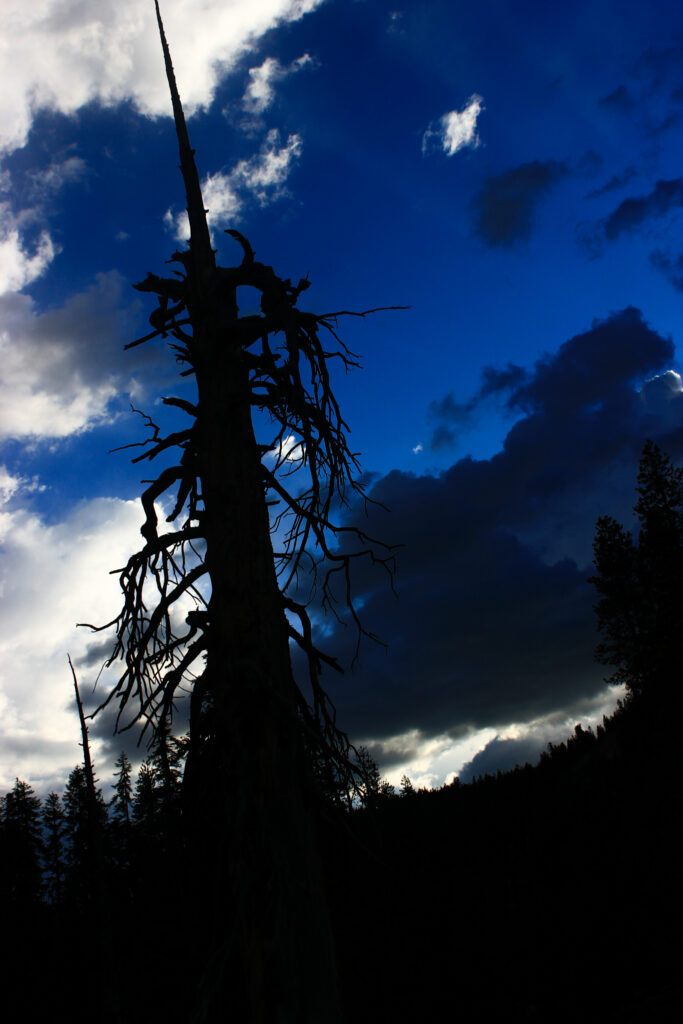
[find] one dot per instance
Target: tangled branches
(165, 626)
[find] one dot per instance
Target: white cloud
(19, 265)
(262, 80)
(51, 577)
(13, 485)
(417, 449)
(62, 368)
(21, 262)
(262, 176)
(455, 130)
(61, 54)
(431, 761)
(8, 485)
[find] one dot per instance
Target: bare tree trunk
(268, 877)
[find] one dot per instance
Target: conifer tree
(54, 855)
(77, 815)
(640, 605)
(145, 798)
(123, 788)
(22, 841)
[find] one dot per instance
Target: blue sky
(512, 173)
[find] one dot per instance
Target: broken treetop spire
(200, 239)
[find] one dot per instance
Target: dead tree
(210, 605)
(109, 1009)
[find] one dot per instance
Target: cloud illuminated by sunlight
(61, 54)
(456, 129)
(260, 92)
(262, 177)
(51, 577)
(18, 266)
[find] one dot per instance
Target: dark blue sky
(510, 172)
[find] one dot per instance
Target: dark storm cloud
(632, 213)
(505, 206)
(671, 266)
(493, 622)
(96, 654)
(589, 370)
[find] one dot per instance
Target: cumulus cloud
(260, 92)
(61, 54)
(262, 177)
(504, 207)
(456, 129)
(52, 576)
(62, 369)
(494, 621)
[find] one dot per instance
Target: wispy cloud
(45, 183)
(456, 129)
(617, 181)
(260, 92)
(632, 213)
(261, 177)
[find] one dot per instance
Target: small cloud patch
(505, 206)
(455, 130)
(260, 91)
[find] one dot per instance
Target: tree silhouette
(640, 607)
(22, 842)
(123, 788)
(54, 860)
(211, 606)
